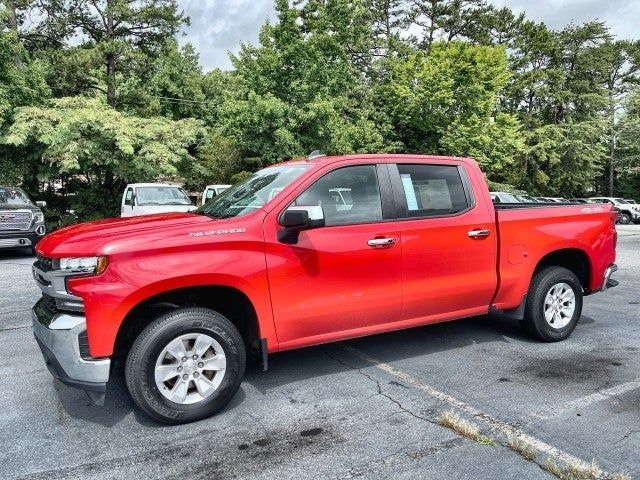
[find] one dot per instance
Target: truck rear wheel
(186, 365)
(554, 304)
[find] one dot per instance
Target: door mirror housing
(296, 219)
(41, 204)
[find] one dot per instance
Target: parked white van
(148, 198)
(211, 191)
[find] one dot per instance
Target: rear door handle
(381, 242)
(478, 233)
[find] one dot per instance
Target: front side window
(348, 195)
(432, 190)
(252, 193)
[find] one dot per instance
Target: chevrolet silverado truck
(280, 262)
(21, 221)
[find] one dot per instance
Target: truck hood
(103, 237)
(152, 209)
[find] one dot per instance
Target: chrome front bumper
(608, 281)
(58, 339)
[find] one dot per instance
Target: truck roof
(152, 184)
(369, 156)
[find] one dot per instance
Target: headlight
(38, 217)
(94, 265)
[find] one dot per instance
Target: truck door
(342, 279)
(448, 242)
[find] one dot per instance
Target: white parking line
(587, 400)
(494, 423)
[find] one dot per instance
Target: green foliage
(446, 102)
(549, 112)
(86, 137)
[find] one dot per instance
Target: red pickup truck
(301, 253)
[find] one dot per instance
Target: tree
(616, 70)
(88, 138)
(446, 101)
(448, 20)
(303, 88)
(115, 29)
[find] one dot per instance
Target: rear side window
(432, 190)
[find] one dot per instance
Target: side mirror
(41, 203)
(296, 219)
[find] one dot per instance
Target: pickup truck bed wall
(527, 233)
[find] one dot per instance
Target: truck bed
(527, 232)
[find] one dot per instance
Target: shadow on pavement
(314, 362)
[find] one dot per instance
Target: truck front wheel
(186, 365)
(554, 304)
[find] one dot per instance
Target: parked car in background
(628, 212)
(254, 272)
(503, 197)
(578, 200)
(211, 191)
(526, 199)
(149, 198)
(21, 220)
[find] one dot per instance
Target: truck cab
(212, 191)
(150, 198)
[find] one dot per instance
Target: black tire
(624, 218)
(534, 320)
(140, 364)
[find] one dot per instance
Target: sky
(219, 26)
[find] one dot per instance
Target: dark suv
(21, 221)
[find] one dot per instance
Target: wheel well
(572, 259)
(228, 301)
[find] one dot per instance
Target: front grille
(15, 220)
(43, 263)
(49, 304)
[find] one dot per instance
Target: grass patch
(452, 420)
(523, 447)
(578, 471)
(620, 476)
(552, 467)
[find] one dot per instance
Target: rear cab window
(433, 190)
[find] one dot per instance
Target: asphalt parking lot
(366, 408)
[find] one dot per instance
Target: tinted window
(128, 200)
(347, 195)
(432, 189)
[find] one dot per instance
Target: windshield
(252, 193)
(161, 195)
(13, 196)
(621, 200)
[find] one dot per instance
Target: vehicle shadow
(315, 362)
(22, 255)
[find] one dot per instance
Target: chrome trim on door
(478, 233)
(381, 242)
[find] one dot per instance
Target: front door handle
(381, 242)
(478, 233)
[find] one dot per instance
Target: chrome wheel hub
(559, 305)
(190, 368)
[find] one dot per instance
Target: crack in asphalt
(460, 439)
